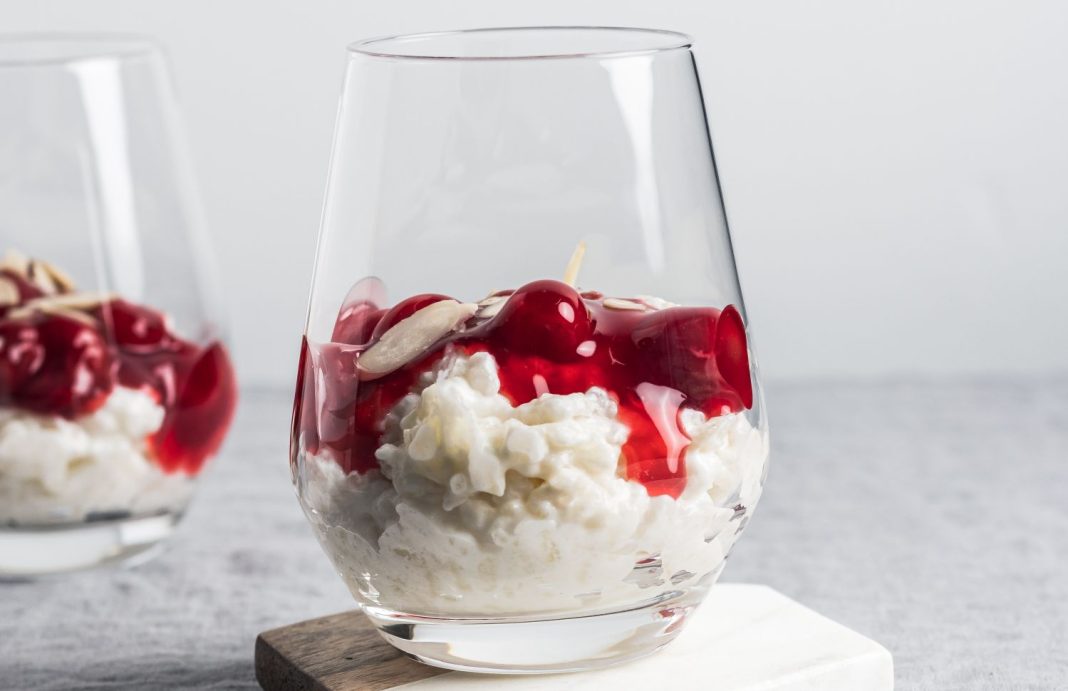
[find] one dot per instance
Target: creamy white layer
(484, 508)
(54, 470)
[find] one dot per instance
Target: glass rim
(57, 49)
(660, 40)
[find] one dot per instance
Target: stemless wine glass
(535, 452)
(115, 387)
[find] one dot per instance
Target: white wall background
(896, 173)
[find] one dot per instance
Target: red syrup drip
(546, 338)
(57, 365)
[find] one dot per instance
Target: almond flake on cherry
(411, 337)
(491, 306)
(9, 293)
(620, 304)
(60, 279)
(15, 261)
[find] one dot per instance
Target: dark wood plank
(341, 652)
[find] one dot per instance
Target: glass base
(41, 550)
(542, 645)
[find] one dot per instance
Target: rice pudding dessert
(105, 412)
(542, 451)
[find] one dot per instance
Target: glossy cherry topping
(195, 384)
(547, 338)
(199, 408)
(53, 365)
(67, 362)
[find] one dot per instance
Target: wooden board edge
(274, 672)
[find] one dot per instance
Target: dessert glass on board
(115, 385)
(528, 425)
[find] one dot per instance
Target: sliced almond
(574, 264)
(54, 304)
(48, 277)
(74, 301)
(41, 278)
(491, 306)
(70, 314)
(621, 304)
(655, 302)
(9, 292)
(491, 311)
(410, 337)
(16, 261)
(60, 278)
(55, 310)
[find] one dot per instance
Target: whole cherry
(545, 318)
(21, 355)
(69, 370)
(134, 327)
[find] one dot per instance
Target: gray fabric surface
(930, 517)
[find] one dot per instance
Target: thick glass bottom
(541, 645)
(42, 550)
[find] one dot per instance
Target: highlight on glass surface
(528, 425)
(115, 385)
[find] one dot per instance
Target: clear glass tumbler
(115, 385)
(528, 425)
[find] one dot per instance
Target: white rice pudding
(54, 470)
(485, 508)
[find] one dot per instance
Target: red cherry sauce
(546, 339)
(53, 364)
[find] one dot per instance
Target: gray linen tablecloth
(930, 517)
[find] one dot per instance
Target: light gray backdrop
(895, 172)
